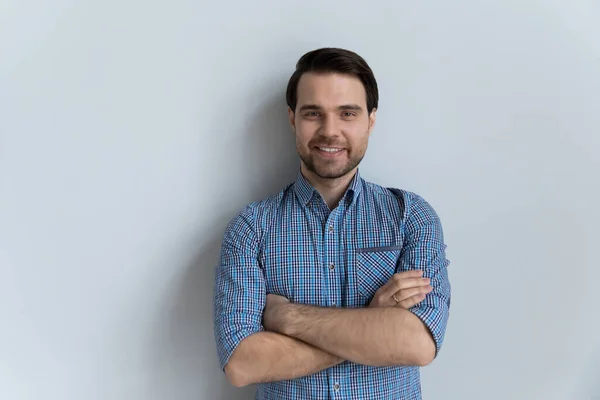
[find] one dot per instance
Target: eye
(348, 114)
(311, 114)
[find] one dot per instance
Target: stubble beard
(325, 169)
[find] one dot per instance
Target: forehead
(330, 90)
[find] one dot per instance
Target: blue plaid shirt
(292, 245)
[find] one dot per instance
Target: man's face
(331, 123)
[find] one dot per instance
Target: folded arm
(246, 352)
(268, 357)
(383, 336)
(317, 338)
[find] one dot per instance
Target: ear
(292, 117)
(372, 119)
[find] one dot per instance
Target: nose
(330, 126)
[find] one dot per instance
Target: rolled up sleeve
(239, 287)
(425, 249)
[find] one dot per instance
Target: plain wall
(132, 131)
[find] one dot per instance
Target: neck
(331, 190)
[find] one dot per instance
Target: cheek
(304, 132)
(358, 135)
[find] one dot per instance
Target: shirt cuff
(435, 319)
(229, 339)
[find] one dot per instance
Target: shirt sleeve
(239, 287)
(424, 249)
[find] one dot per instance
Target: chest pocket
(374, 267)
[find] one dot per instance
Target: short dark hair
(331, 59)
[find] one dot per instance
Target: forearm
(382, 336)
(268, 357)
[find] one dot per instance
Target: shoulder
(256, 217)
(411, 206)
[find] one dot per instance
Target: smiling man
(335, 288)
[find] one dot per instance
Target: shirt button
(336, 387)
(331, 267)
(330, 228)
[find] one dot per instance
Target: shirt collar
(305, 191)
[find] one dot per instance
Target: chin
(328, 170)
(330, 173)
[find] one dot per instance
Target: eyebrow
(355, 107)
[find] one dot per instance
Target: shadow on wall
(186, 340)
(271, 160)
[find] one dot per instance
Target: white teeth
(329, 149)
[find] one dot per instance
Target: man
(335, 288)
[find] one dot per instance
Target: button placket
(331, 241)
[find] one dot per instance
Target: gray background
(132, 131)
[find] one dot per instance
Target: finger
(412, 301)
(391, 283)
(411, 283)
(401, 284)
(407, 293)
(413, 273)
(391, 286)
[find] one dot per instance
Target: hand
(409, 287)
(274, 312)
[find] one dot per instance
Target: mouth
(329, 151)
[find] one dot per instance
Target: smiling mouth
(330, 150)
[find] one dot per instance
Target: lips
(329, 149)
(329, 152)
